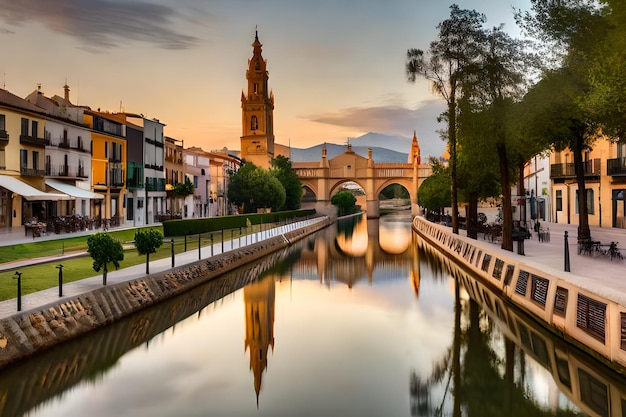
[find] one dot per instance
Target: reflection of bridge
(373, 251)
(321, 179)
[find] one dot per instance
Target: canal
(359, 319)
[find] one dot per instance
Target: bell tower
(257, 112)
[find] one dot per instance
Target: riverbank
(586, 305)
(48, 319)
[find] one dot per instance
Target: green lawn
(43, 276)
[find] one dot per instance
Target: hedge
(182, 227)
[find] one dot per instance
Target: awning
(72, 190)
(28, 192)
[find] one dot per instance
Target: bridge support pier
(372, 209)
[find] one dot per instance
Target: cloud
(4, 31)
(102, 24)
(393, 118)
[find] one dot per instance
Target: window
(257, 66)
(254, 123)
(106, 149)
(24, 131)
(35, 128)
(3, 122)
(195, 181)
(590, 202)
(23, 158)
(256, 88)
(559, 200)
(35, 160)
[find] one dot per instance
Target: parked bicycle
(614, 251)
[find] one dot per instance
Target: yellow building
(605, 183)
(257, 112)
(22, 168)
(108, 159)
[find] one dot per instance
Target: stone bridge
(322, 179)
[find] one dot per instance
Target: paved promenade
(72, 289)
(601, 274)
(608, 276)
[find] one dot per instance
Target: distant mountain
(395, 143)
(379, 154)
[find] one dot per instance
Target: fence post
(211, 243)
(185, 242)
(222, 240)
(566, 255)
(199, 247)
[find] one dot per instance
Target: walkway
(41, 299)
(609, 274)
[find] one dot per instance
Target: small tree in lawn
(147, 242)
(103, 250)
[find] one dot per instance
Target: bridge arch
(323, 177)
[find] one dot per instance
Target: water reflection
(503, 362)
(332, 326)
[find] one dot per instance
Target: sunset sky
(336, 66)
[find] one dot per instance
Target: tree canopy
(281, 169)
(104, 249)
(253, 188)
(147, 242)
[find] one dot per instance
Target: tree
(183, 189)
(495, 82)
(147, 242)
(575, 29)
(104, 250)
(607, 95)
(254, 188)
(345, 202)
(434, 192)
(281, 169)
(445, 66)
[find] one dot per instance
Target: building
(22, 169)
(67, 155)
(108, 163)
(197, 169)
(146, 197)
(221, 165)
(173, 175)
(257, 112)
(605, 183)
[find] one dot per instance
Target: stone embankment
(25, 334)
(575, 307)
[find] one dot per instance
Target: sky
(336, 67)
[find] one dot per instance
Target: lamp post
(60, 268)
(19, 290)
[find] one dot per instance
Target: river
(351, 321)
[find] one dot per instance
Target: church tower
(257, 112)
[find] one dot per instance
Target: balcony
(616, 167)
(65, 171)
(33, 141)
(64, 144)
(591, 168)
(4, 137)
(32, 172)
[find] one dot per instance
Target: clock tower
(257, 112)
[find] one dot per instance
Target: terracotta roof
(18, 102)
